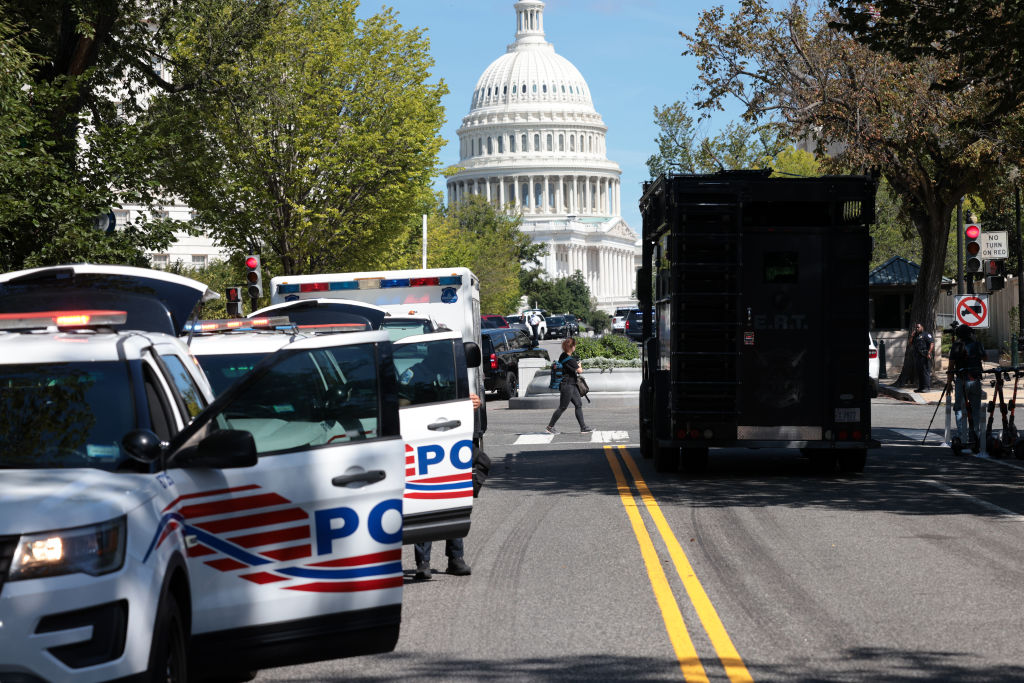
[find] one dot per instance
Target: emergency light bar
(61, 319)
(370, 283)
(335, 327)
(233, 324)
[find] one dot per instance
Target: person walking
(965, 369)
(535, 326)
(923, 345)
(569, 392)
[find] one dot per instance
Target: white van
(449, 296)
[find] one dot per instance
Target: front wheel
(168, 655)
(511, 386)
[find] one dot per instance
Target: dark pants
(570, 393)
(453, 548)
(924, 372)
(535, 329)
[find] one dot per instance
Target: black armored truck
(759, 287)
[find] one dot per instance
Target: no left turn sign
(972, 310)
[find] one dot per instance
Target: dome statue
(533, 142)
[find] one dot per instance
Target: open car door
(297, 557)
(437, 427)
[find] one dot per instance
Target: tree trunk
(933, 229)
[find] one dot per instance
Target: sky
(629, 52)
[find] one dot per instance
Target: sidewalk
(909, 393)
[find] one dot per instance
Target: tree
(319, 144)
(682, 149)
(982, 36)
(797, 69)
(475, 234)
(80, 151)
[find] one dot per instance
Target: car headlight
(95, 549)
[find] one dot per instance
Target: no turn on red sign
(972, 310)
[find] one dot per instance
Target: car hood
(155, 301)
(46, 500)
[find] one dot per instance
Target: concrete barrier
(530, 370)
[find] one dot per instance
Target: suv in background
(492, 321)
(557, 327)
(501, 352)
(634, 324)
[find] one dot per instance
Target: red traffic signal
(252, 262)
(972, 247)
(254, 276)
(234, 294)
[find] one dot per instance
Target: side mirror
(223, 449)
(142, 445)
(473, 355)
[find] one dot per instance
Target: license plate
(847, 414)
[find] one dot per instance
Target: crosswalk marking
(609, 436)
(528, 439)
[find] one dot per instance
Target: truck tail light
(494, 361)
(872, 353)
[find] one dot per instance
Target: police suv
(433, 391)
(148, 531)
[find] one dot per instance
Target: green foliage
(74, 141)
(218, 276)
(319, 145)
(562, 295)
(608, 346)
(599, 321)
(477, 235)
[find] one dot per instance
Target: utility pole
(960, 247)
(1020, 267)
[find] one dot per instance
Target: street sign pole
(1020, 267)
(960, 247)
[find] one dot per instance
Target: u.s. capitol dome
(533, 142)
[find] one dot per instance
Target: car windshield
(55, 415)
(224, 369)
(400, 329)
(556, 320)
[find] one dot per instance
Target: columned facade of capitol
(533, 143)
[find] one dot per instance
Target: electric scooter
(994, 446)
(1012, 441)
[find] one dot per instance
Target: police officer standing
(923, 345)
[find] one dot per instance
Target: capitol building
(533, 142)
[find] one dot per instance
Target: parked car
(619, 324)
(872, 367)
(502, 350)
(518, 322)
(572, 325)
(493, 321)
(557, 327)
(635, 323)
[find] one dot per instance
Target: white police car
(436, 412)
(146, 531)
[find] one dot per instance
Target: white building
(533, 141)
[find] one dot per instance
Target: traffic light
(995, 275)
(233, 299)
(972, 248)
(253, 276)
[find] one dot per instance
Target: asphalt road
(758, 570)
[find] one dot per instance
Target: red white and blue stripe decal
(444, 487)
(264, 538)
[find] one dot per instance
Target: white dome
(530, 74)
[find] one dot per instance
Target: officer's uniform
(922, 342)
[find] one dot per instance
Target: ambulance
(449, 296)
(148, 529)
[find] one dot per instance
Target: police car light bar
(233, 324)
(61, 319)
(370, 283)
(335, 327)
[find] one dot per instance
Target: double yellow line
(689, 660)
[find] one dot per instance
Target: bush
(588, 347)
(619, 346)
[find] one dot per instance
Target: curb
(900, 394)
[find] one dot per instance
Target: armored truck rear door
(782, 336)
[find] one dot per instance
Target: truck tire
(695, 460)
(168, 654)
(851, 462)
(666, 459)
(510, 387)
(646, 450)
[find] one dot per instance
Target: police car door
(437, 428)
(305, 545)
